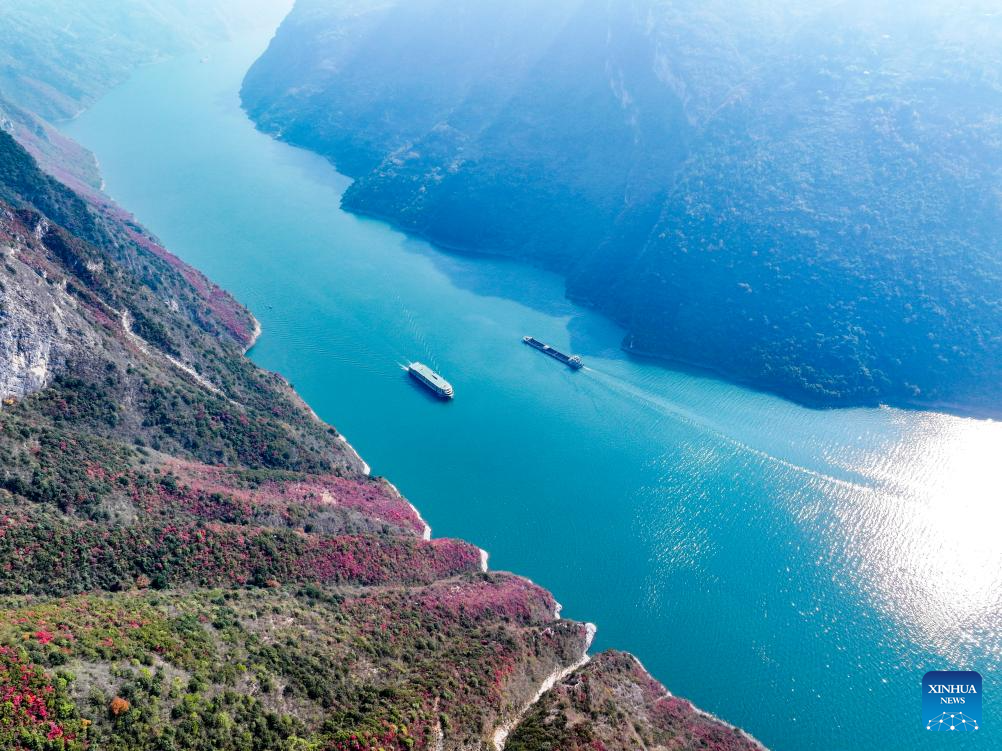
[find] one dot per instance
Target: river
(794, 571)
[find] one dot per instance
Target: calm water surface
(793, 571)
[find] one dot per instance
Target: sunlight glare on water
(925, 538)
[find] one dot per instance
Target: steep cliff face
(797, 197)
(41, 324)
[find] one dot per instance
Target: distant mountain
(803, 197)
(57, 56)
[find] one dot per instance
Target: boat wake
(700, 422)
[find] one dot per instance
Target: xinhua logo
(951, 700)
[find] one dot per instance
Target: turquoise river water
(794, 571)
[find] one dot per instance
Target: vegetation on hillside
(613, 705)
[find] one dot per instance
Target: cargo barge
(571, 361)
(430, 380)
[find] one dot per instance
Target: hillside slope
(576, 716)
(800, 198)
(190, 558)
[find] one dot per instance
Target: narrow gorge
(192, 559)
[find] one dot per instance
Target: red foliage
(44, 637)
(508, 597)
(86, 555)
(26, 699)
(374, 560)
(215, 493)
(699, 730)
(389, 740)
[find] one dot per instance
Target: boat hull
(431, 380)
(571, 361)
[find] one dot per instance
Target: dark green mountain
(803, 198)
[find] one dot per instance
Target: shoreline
(366, 469)
(426, 534)
(668, 362)
(255, 334)
(501, 733)
(703, 370)
(696, 709)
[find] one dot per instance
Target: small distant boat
(430, 380)
(571, 361)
